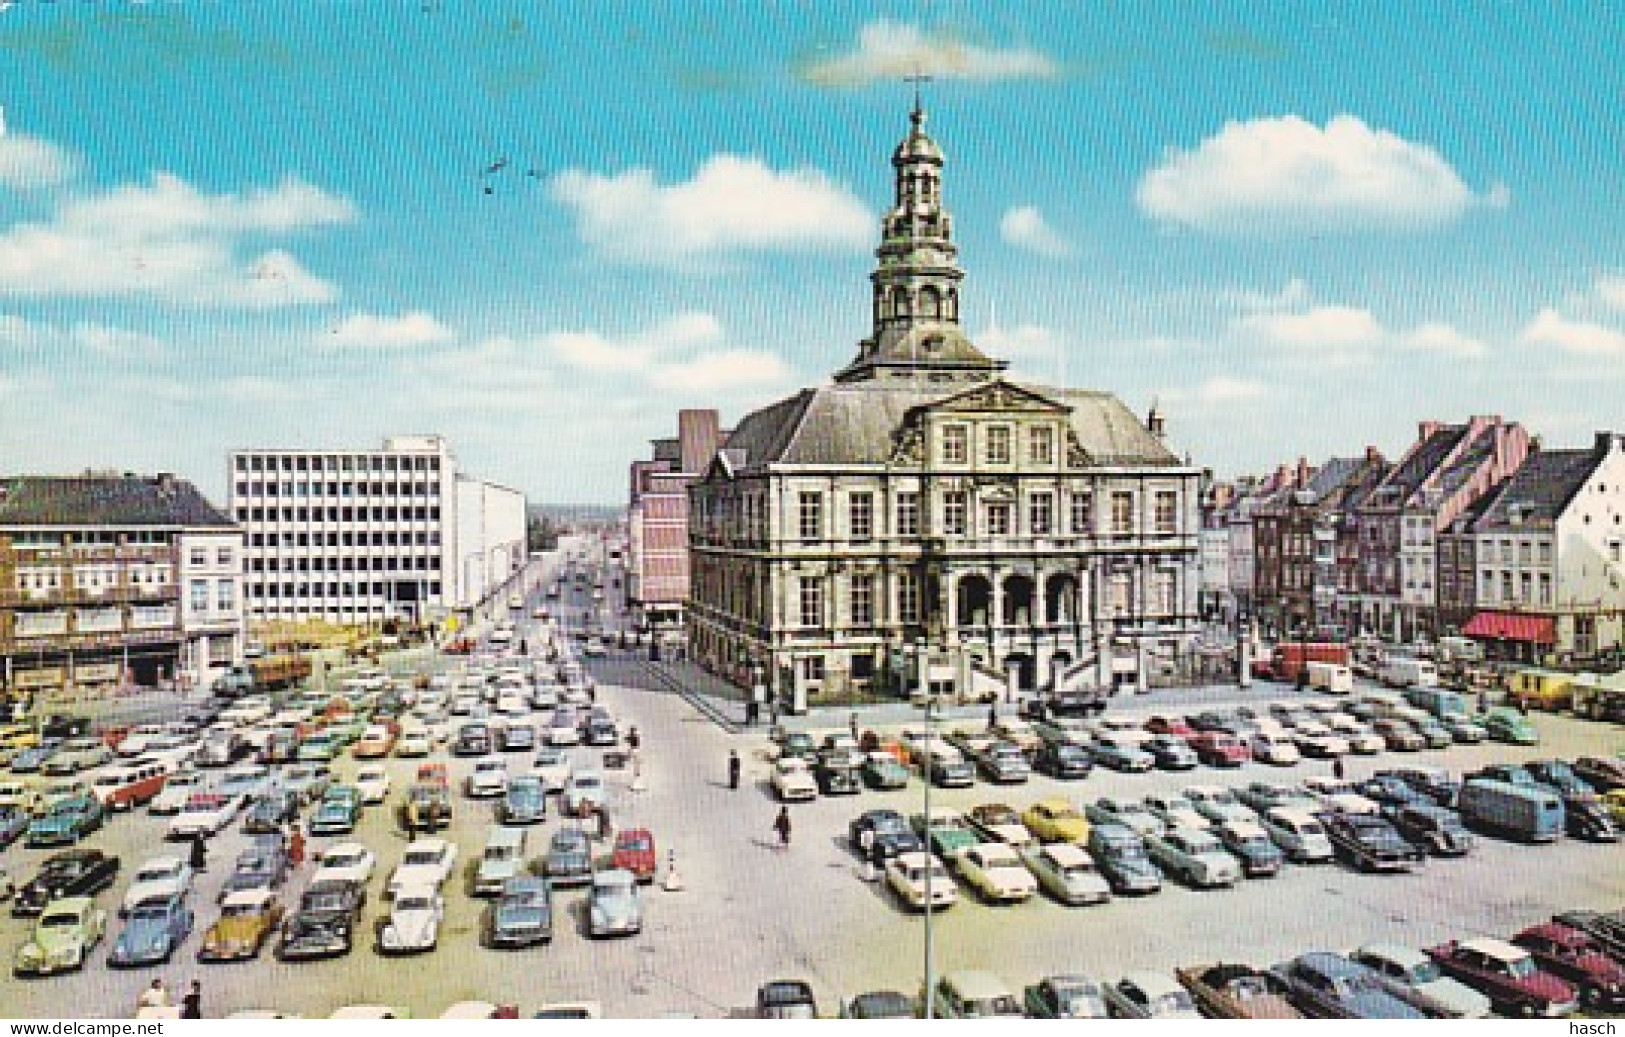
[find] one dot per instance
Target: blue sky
(1301, 228)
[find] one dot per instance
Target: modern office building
(109, 580)
(354, 536)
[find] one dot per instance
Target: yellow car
(1614, 803)
(247, 919)
(1056, 821)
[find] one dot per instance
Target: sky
(540, 229)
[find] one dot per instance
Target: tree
(542, 533)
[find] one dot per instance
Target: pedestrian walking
(603, 822)
(296, 847)
(192, 1003)
(992, 715)
(409, 821)
(200, 853)
(781, 825)
(1523, 705)
(633, 740)
(155, 996)
(852, 723)
(733, 769)
(753, 712)
(1338, 770)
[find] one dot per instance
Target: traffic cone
(673, 882)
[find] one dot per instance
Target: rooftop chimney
(698, 436)
(1303, 472)
(1155, 423)
(1426, 429)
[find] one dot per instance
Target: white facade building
(211, 586)
(361, 536)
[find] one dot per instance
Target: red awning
(1509, 626)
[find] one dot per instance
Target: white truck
(1406, 671)
(1332, 678)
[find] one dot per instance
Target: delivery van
(1333, 678)
(1515, 811)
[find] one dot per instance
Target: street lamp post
(925, 773)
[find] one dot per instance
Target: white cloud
(28, 162)
(1576, 338)
(1293, 295)
(684, 352)
(168, 241)
(45, 340)
(1282, 175)
(119, 343)
(1443, 339)
(722, 371)
(369, 330)
(1218, 391)
(1024, 341)
(1611, 290)
(890, 50)
(1322, 325)
(732, 204)
(1024, 227)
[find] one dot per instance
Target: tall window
(812, 601)
(1122, 511)
(200, 595)
(1083, 512)
(862, 516)
(1041, 445)
(811, 516)
(225, 595)
(1166, 505)
(998, 444)
(955, 444)
(908, 513)
(863, 600)
(998, 518)
(1041, 514)
(908, 597)
(955, 504)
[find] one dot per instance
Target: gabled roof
(105, 500)
(1536, 494)
(1406, 477)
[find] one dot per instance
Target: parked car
(157, 877)
(79, 872)
(793, 781)
(1121, 753)
(1252, 846)
(997, 822)
(883, 771)
(583, 793)
(1194, 856)
(487, 780)
(972, 994)
(522, 915)
(525, 802)
(872, 827)
(1066, 872)
(1603, 773)
(634, 852)
(839, 773)
(63, 937)
(335, 814)
(1119, 851)
(156, 926)
(247, 920)
(569, 858)
(344, 862)
(1413, 975)
(1433, 782)
(1369, 843)
(1056, 820)
(552, 766)
(1223, 991)
(786, 999)
(995, 872)
(1217, 804)
(414, 921)
(1329, 986)
(1573, 956)
(1063, 760)
(1433, 828)
(1605, 927)
(1172, 753)
(1175, 811)
(1299, 834)
(1123, 811)
(613, 905)
(1508, 975)
(271, 812)
(1149, 995)
(426, 862)
(1065, 997)
(905, 875)
(66, 822)
(324, 925)
(945, 833)
(373, 782)
(1505, 724)
(880, 1004)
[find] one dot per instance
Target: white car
(488, 779)
(995, 871)
(205, 813)
(1274, 746)
(553, 767)
(178, 788)
(1217, 803)
(906, 872)
(345, 862)
(793, 781)
(414, 921)
(1067, 873)
(563, 729)
(1175, 811)
(414, 742)
(373, 781)
(584, 790)
(1338, 795)
(158, 877)
(1362, 740)
(1316, 739)
(427, 862)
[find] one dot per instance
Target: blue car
(1330, 986)
(155, 928)
(32, 758)
(67, 822)
(335, 816)
(13, 823)
(1121, 755)
(523, 915)
(525, 802)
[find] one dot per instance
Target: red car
(1220, 749)
(1573, 956)
(1507, 975)
(1163, 724)
(635, 851)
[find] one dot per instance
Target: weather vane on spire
(917, 78)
